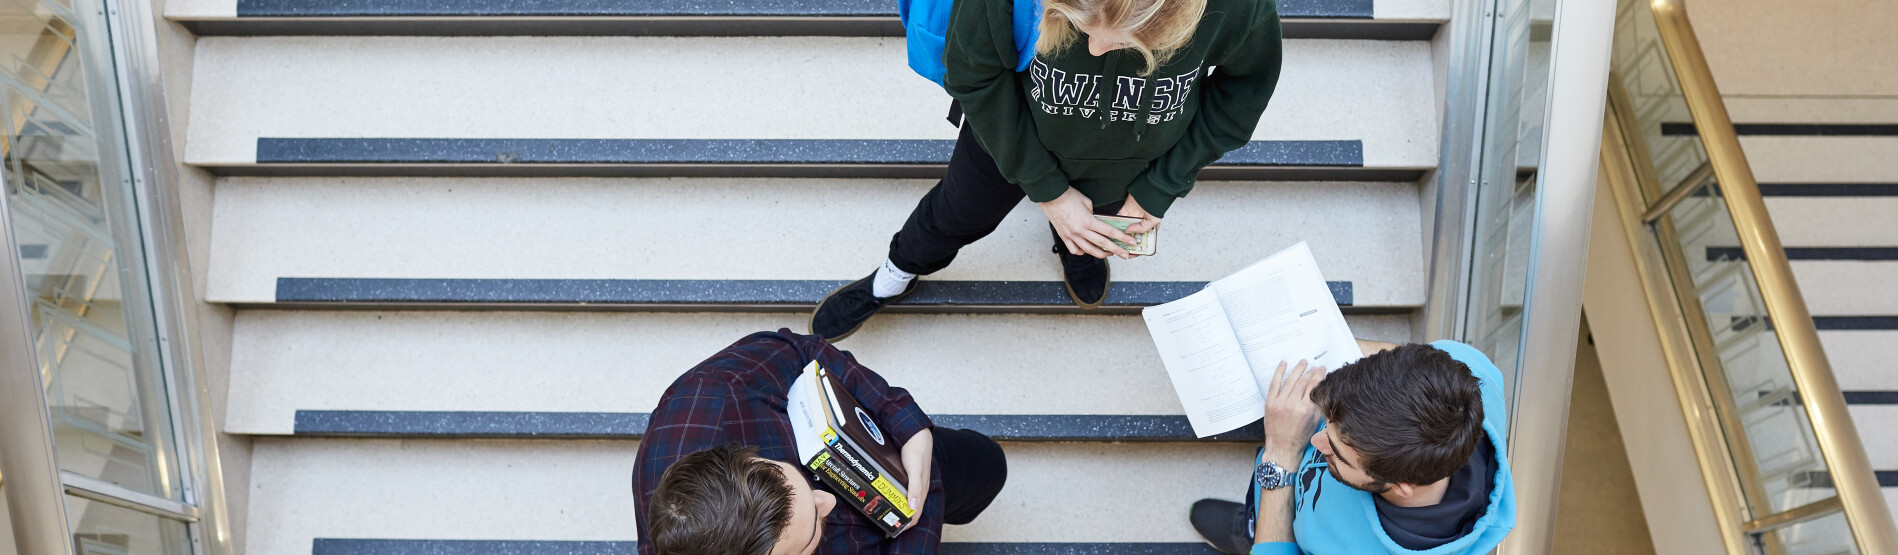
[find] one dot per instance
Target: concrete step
(1818, 159)
(535, 362)
(252, 90)
(1835, 221)
(1849, 288)
(1813, 152)
(304, 489)
(1819, 221)
(1874, 423)
(1862, 359)
(1821, 158)
(266, 229)
(1386, 19)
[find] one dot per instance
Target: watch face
(1269, 476)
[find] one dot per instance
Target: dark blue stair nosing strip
(736, 293)
(1812, 190)
(592, 425)
(1870, 254)
(1823, 479)
(1793, 129)
(1871, 397)
(1855, 322)
(1829, 189)
(1312, 27)
(599, 425)
(1856, 397)
(1318, 9)
(1825, 323)
(353, 546)
(1343, 153)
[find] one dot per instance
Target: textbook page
(1205, 362)
(1281, 311)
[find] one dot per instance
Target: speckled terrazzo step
(576, 490)
(344, 546)
(580, 105)
(1386, 19)
(817, 232)
(616, 364)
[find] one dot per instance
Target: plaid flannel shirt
(738, 396)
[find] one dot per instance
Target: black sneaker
(844, 310)
(1085, 277)
(1222, 524)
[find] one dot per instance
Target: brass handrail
(1852, 477)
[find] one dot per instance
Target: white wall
(1667, 477)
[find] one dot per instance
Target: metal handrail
(1853, 480)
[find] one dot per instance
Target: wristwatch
(1270, 475)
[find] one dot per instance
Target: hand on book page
(1290, 416)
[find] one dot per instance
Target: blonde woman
(1123, 104)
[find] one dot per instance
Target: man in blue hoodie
(1410, 457)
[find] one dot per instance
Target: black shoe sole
(1105, 290)
(811, 324)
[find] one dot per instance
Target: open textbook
(1222, 344)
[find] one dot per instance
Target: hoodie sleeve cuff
(1151, 199)
(1045, 187)
(1275, 548)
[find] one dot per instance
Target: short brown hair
(1412, 412)
(720, 501)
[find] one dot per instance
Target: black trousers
(967, 205)
(973, 471)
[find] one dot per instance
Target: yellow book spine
(882, 485)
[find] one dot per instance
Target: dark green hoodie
(1097, 124)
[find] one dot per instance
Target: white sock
(890, 281)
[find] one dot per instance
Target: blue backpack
(926, 22)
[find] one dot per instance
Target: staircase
(469, 246)
(1831, 192)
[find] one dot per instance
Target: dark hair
(719, 501)
(1412, 412)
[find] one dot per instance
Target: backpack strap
(1027, 31)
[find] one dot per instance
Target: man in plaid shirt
(717, 472)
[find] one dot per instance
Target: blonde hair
(1159, 27)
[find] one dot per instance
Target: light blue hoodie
(1344, 520)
